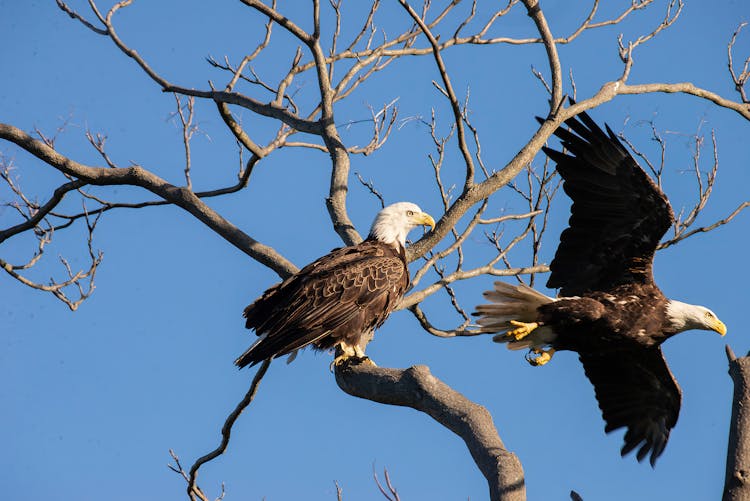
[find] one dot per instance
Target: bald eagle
(609, 310)
(338, 300)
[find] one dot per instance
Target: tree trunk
(737, 480)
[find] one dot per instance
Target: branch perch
(417, 388)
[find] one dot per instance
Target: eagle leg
(540, 356)
(522, 329)
(350, 354)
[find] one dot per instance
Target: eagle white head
(685, 316)
(394, 222)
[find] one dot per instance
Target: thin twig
(226, 430)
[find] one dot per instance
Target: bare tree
(340, 65)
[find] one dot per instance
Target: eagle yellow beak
(719, 327)
(424, 219)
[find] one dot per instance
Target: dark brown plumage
(617, 218)
(609, 309)
(339, 299)
(341, 295)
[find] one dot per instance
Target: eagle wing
(618, 214)
(636, 390)
(344, 294)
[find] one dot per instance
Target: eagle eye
(709, 314)
(410, 213)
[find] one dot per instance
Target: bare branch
(272, 110)
(240, 134)
(368, 25)
(626, 53)
(382, 125)
(391, 494)
(339, 492)
(188, 129)
(98, 141)
(406, 40)
(539, 76)
(336, 201)
(371, 188)
(435, 331)
(706, 229)
(177, 468)
(74, 15)
(226, 430)
(684, 223)
(262, 45)
(137, 176)
(483, 190)
(75, 279)
(41, 212)
(536, 14)
(510, 217)
(741, 79)
(417, 388)
(489, 269)
(455, 246)
(440, 270)
(336, 5)
(655, 171)
(449, 93)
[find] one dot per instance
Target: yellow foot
(538, 356)
(522, 329)
(339, 360)
(345, 359)
(363, 360)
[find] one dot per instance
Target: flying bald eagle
(609, 310)
(338, 300)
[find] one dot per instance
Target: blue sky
(93, 400)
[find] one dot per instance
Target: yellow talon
(344, 359)
(543, 356)
(522, 329)
(339, 360)
(367, 360)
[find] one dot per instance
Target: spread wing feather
(637, 391)
(344, 294)
(618, 214)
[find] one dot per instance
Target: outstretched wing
(618, 214)
(341, 295)
(637, 391)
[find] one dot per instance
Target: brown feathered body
(617, 335)
(609, 310)
(340, 298)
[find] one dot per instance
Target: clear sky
(92, 401)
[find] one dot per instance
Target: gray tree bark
(737, 479)
(417, 388)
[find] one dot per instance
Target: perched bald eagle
(338, 300)
(609, 310)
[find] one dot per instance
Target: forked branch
(739, 79)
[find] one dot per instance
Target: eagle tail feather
(249, 357)
(278, 346)
(513, 302)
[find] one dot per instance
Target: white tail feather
(514, 302)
